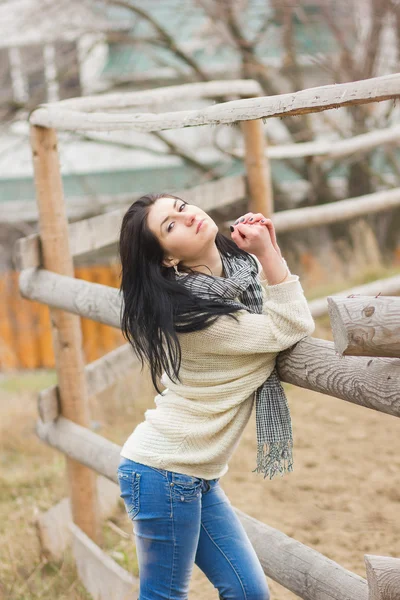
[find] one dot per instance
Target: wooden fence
(314, 364)
(25, 330)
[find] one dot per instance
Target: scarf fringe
(274, 458)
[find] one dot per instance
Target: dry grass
(342, 499)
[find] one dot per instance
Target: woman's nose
(189, 218)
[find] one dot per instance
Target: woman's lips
(199, 225)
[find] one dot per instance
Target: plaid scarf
(274, 427)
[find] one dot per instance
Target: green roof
(158, 179)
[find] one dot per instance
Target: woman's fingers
(270, 226)
(249, 218)
(243, 218)
(252, 238)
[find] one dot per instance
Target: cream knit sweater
(197, 424)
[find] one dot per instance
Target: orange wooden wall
(25, 331)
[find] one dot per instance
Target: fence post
(383, 576)
(66, 328)
(257, 167)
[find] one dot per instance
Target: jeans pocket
(129, 483)
(185, 487)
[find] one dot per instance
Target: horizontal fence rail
(102, 230)
(301, 569)
(95, 233)
(25, 328)
(366, 326)
(315, 364)
(77, 207)
(387, 287)
(302, 102)
(333, 212)
(375, 388)
(163, 95)
(99, 374)
(327, 150)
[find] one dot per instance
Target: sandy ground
(342, 499)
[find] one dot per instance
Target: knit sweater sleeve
(285, 320)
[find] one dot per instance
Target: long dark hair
(155, 305)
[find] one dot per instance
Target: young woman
(209, 315)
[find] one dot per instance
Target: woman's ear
(169, 262)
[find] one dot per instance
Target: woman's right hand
(256, 234)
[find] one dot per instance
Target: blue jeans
(180, 520)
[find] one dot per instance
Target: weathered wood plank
(334, 212)
(96, 232)
(94, 301)
(302, 102)
(66, 328)
(386, 287)
(349, 378)
(92, 234)
(257, 168)
(164, 95)
(49, 407)
(383, 575)
(53, 525)
(100, 374)
(77, 207)
(366, 326)
(82, 445)
(315, 365)
(300, 569)
(327, 150)
(306, 572)
(103, 578)
(27, 252)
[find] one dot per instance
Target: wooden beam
(386, 287)
(99, 231)
(107, 369)
(333, 212)
(383, 575)
(99, 374)
(257, 167)
(66, 329)
(299, 568)
(315, 365)
(302, 102)
(330, 374)
(323, 150)
(77, 207)
(94, 300)
(53, 525)
(366, 325)
(81, 445)
(305, 572)
(164, 95)
(92, 234)
(102, 577)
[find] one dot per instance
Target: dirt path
(343, 498)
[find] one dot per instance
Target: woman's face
(174, 223)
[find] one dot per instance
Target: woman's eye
(182, 206)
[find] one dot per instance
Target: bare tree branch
(163, 34)
(187, 157)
